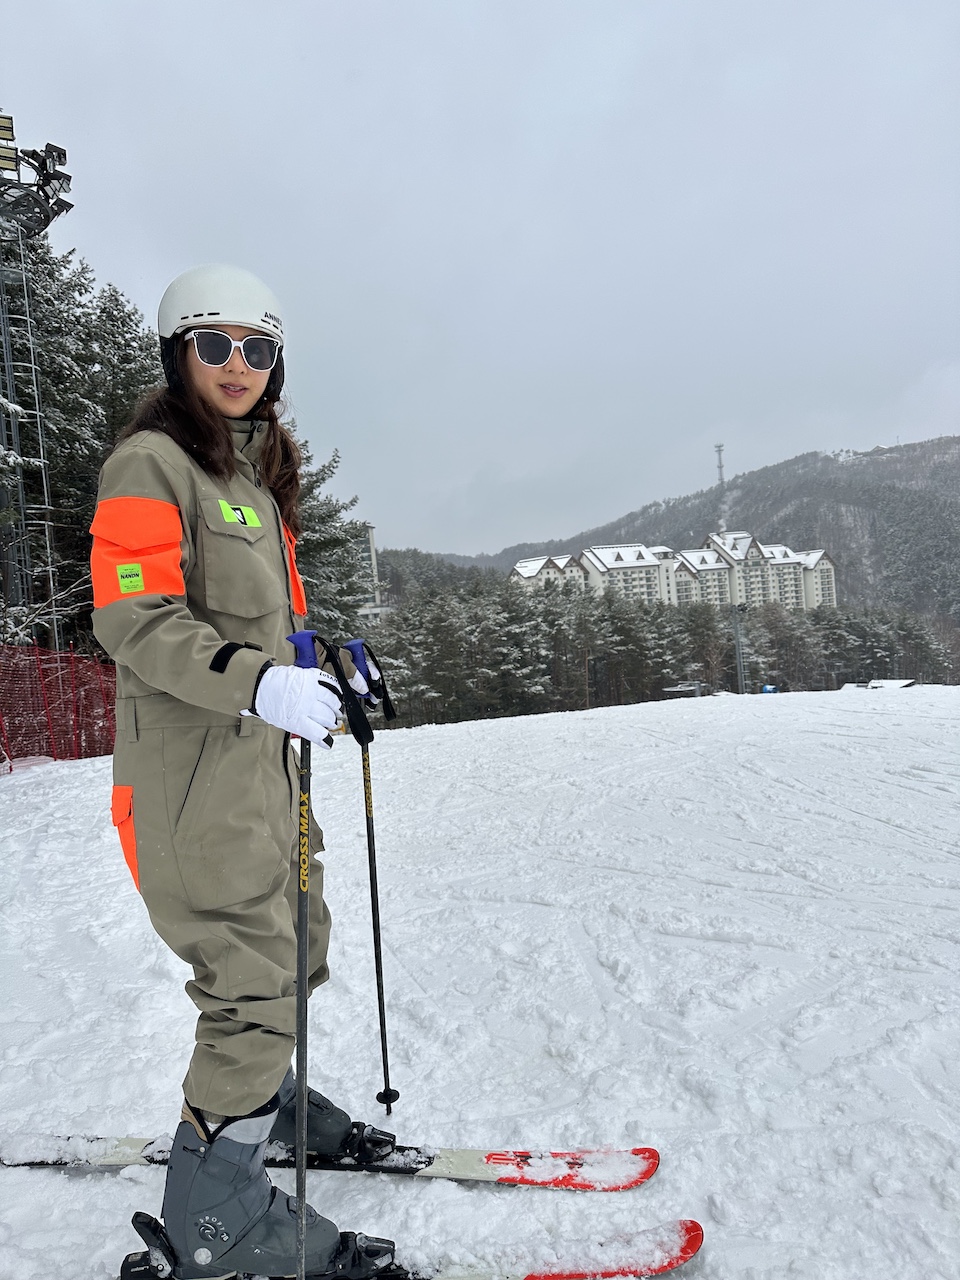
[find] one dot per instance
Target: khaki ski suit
(195, 590)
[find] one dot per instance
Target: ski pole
(358, 651)
(360, 729)
(303, 642)
(388, 1096)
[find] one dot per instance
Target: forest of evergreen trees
(487, 646)
(461, 642)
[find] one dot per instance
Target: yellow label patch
(130, 578)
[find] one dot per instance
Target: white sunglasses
(215, 348)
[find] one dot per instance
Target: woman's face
(232, 389)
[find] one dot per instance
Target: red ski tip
(595, 1170)
(673, 1252)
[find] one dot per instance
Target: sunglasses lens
(213, 347)
(260, 353)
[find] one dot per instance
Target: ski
(653, 1252)
(597, 1169)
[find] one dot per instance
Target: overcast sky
(536, 256)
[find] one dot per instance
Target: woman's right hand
(301, 700)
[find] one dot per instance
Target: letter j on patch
(239, 515)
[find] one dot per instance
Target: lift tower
(32, 187)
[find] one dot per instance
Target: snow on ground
(729, 928)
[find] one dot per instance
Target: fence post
(46, 702)
(75, 710)
(5, 743)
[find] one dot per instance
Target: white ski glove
(301, 700)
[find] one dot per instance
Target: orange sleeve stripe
(121, 813)
(136, 550)
(299, 600)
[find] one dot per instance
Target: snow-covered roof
(736, 543)
(737, 546)
(530, 568)
(780, 554)
(718, 552)
(615, 557)
(810, 559)
(702, 559)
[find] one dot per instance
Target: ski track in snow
(728, 928)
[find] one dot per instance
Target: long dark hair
(201, 433)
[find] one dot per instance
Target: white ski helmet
(218, 294)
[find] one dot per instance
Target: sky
(536, 257)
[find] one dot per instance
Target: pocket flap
(121, 804)
(137, 522)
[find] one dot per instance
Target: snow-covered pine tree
(95, 359)
(120, 364)
(330, 552)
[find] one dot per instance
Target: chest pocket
(243, 570)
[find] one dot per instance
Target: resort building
(729, 569)
(557, 569)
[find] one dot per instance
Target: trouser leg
(319, 918)
(246, 1032)
(216, 849)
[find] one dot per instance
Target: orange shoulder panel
(299, 596)
(136, 549)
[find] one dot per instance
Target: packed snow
(728, 928)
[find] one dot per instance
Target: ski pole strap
(358, 723)
(363, 656)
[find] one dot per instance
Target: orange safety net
(55, 704)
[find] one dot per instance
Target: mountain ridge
(889, 518)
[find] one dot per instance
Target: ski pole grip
(356, 649)
(303, 642)
(362, 656)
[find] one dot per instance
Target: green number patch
(239, 515)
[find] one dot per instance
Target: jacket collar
(248, 438)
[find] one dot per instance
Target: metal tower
(722, 509)
(32, 186)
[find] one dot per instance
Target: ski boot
(222, 1217)
(358, 1258)
(330, 1131)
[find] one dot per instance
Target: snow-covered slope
(729, 928)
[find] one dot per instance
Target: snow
(530, 568)
(614, 557)
(725, 927)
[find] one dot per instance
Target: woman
(195, 591)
